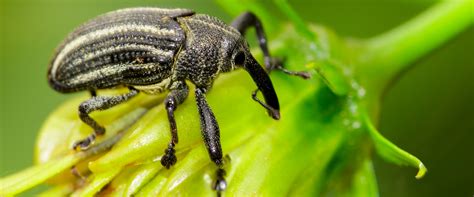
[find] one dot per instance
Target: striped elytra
(145, 48)
(133, 46)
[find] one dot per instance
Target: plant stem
(388, 54)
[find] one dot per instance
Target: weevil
(153, 50)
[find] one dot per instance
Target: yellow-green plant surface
(322, 145)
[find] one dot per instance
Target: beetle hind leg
(98, 103)
(179, 92)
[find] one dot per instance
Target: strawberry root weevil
(151, 50)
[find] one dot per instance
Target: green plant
(322, 145)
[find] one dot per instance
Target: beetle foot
(84, 144)
(169, 158)
(273, 63)
(220, 184)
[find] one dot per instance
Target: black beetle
(153, 50)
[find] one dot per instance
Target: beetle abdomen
(126, 47)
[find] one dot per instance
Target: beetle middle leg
(248, 19)
(211, 134)
(179, 92)
(98, 103)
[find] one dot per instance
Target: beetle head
(242, 57)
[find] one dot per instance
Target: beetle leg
(248, 19)
(98, 103)
(277, 64)
(179, 93)
(211, 135)
(263, 104)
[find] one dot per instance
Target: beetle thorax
(207, 51)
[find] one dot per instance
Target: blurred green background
(429, 112)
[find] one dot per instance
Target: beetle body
(152, 50)
(146, 48)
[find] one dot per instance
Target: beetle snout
(264, 84)
(275, 114)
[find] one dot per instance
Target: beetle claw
(220, 184)
(169, 159)
(84, 144)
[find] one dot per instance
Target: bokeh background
(429, 111)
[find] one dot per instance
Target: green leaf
(364, 182)
(154, 187)
(390, 152)
(141, 177)
(59, 190)
(333, 76)
(17, 183)
(99, 180)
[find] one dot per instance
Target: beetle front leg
(179, 92)
(211, 134)
(248, 19)
(98, 103)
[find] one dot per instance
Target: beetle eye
(239, 58)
